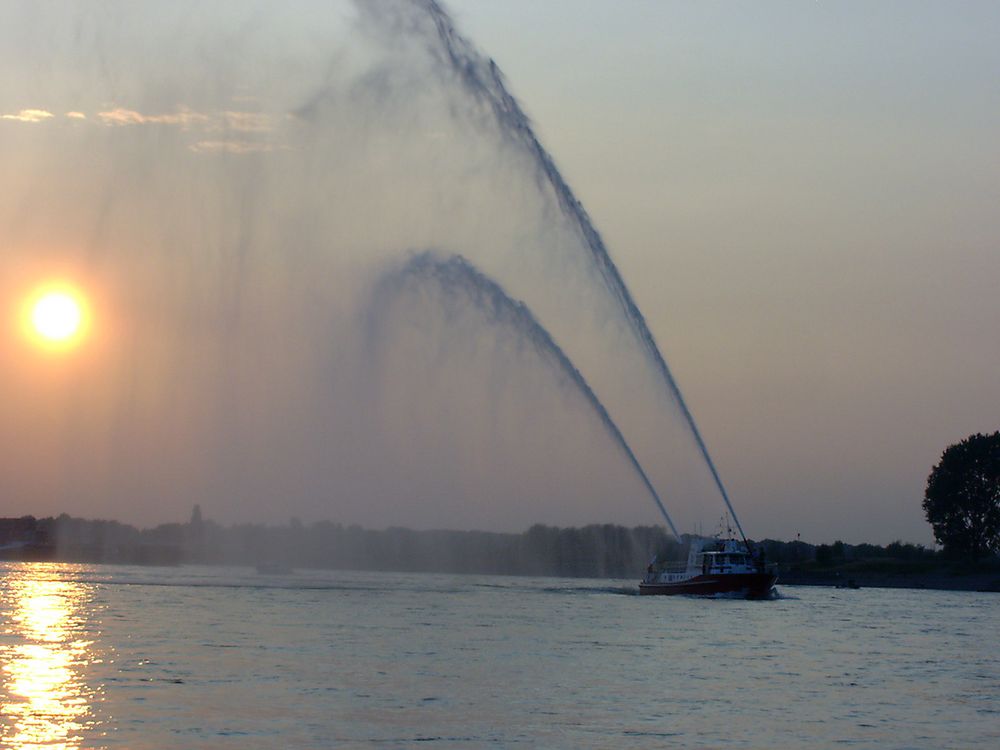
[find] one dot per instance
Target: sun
(56, 316)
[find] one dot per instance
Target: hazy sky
(800, 196)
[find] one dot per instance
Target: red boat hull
(752, 585)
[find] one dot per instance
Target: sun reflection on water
(45, 701)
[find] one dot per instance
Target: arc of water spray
(455, 275)
(483, 79)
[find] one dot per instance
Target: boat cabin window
(726, 560)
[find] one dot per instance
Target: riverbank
(941, 580)
(596, 551)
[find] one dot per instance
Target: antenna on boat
(736, 520)
(729, 529)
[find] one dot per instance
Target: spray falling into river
(456, 276)
(483, 80)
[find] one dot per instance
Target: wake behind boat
(714, 566)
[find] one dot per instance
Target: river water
(198, 657)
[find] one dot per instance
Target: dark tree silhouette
(962, 501)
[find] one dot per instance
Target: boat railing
(672, 568)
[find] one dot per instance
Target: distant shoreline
(974, 582)
(979, 582)
(604, 551)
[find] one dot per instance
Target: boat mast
(739, 528)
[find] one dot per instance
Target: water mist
(482, 79)
(227, 182)
(456, 277)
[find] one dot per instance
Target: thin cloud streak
(29, 115)
(188, 119)
(120, 117)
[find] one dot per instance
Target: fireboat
(714, 566)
